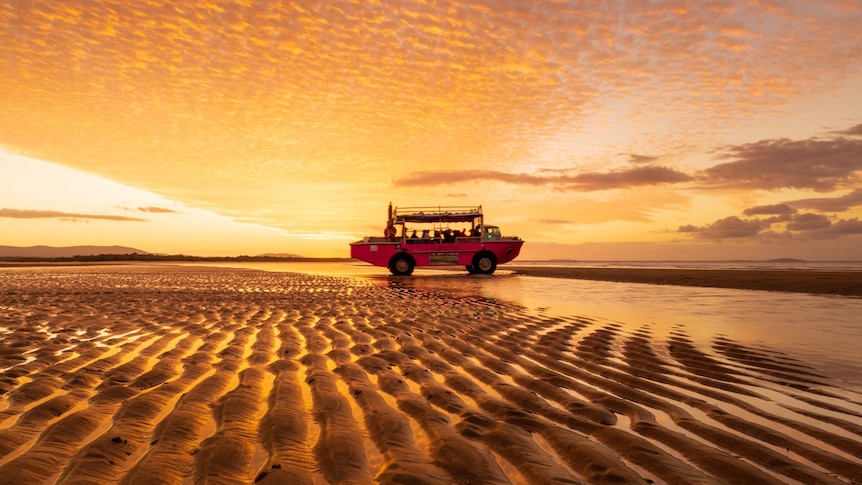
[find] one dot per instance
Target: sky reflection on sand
(822, 330)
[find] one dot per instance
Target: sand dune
(159, 375)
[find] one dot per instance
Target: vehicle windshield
(492, 232)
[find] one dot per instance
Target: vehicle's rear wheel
(469, 268)
(401, 265)
(484, 263)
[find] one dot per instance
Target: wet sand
(185, 375)
(845, 283)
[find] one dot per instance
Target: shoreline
(841, 283)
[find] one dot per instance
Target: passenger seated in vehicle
(414, 236)
(426, 234)
(474, 232)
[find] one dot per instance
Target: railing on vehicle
(380, 239)
(437, 240)
(437, 214)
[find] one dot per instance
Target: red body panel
(379, 251)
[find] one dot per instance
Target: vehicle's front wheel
(484, 263)
(401, 265)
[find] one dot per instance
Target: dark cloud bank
(74, 216)
(818, 164)
(587, 181)
(822, 165)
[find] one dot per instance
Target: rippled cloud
(223, 92)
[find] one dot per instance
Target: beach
(183, 374)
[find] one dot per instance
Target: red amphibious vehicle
(437, 236)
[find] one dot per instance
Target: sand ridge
(845, 283)
(160, 376)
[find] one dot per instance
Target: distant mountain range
(63, 252)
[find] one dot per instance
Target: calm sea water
(779, 264)
(825, 331)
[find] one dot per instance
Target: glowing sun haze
(594, 130)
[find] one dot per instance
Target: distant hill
(278, 255)
(63, 252)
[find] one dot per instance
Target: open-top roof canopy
(437, 214)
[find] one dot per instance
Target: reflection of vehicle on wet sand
(478, 247)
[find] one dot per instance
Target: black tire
(401, 265)
(469, 268)
(484, 263)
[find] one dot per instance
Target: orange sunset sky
(593, 130)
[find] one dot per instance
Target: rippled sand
(158, 375)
